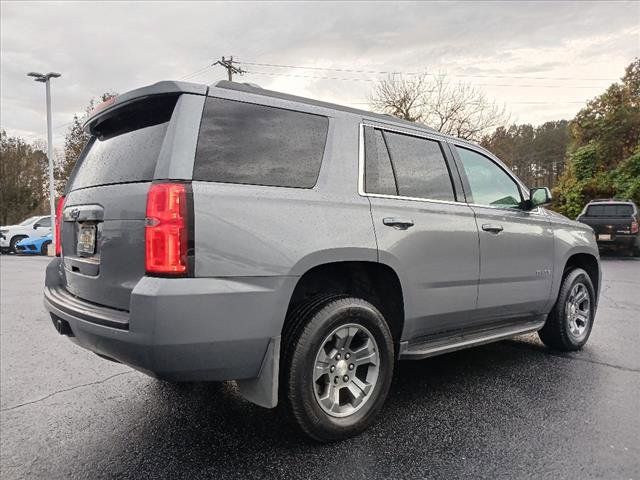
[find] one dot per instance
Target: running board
(431, 348)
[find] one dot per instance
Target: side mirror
(35, 226)
(539, 196)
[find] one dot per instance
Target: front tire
(14, 241)
(338, 363)
(44, 248)
(569, 324)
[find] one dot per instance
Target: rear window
(610, 210)
(260, 145)
(124, 147)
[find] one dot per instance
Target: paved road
(507, 410)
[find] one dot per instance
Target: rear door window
(259, 145)
(125, 146)
(419, 166)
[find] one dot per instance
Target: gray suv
(302, 248)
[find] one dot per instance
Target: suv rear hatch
(103, 227)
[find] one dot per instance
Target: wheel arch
(375, 282)
(589, 263)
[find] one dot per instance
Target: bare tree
(457, 109)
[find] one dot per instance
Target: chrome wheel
(578, 310)
(346, 370)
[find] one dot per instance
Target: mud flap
(263, 390)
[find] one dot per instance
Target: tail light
(634, 227)
(167, 229)
(58, 226)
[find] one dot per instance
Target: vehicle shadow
(438, 411)
(617, 255)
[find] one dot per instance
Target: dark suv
(301, 248)
(615, 223)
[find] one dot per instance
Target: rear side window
(611, 210)
(125, 145)
(378, 173)
(419, 166)
(255, 144)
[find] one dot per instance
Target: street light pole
(46, 79)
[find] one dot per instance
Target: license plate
(604, 236)
(86, 240)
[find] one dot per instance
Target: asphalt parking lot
(508, 410)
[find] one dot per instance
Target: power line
(350, 70)
(274, 74)
(355, 79)
(196, 72)
(508, 102)
(382, 72)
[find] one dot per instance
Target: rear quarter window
(259, 145)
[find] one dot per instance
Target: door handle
(488, 227)
(399, 223)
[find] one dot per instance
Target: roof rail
(598, 200)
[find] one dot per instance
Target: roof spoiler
(160, 88)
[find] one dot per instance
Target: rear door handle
(399, 223)
(488, 227)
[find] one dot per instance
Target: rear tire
(337, 366)
(15, 240)
(44, 248)
(569, 324)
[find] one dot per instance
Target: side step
(432, 347)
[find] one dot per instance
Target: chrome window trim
(361, 161)
(428, 136)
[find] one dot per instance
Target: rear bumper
(618, 240)
(180, 329)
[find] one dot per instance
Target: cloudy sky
(541, 59)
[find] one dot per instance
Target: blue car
(34, 245)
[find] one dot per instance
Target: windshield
(28, 221)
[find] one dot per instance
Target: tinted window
(45, 222)
(378, 172)
(490, 184)
(419, 166)
(260, 145)
(125, 146)
(610, 210)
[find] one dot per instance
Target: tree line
(594, 155)
(24, 174)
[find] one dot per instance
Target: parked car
(301, 248)
(34, 245)
(31, 227)
(615, 223)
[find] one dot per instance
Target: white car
(37, 226)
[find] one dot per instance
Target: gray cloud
(119, 46)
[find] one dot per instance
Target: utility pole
(46, 79)
(231, 69)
